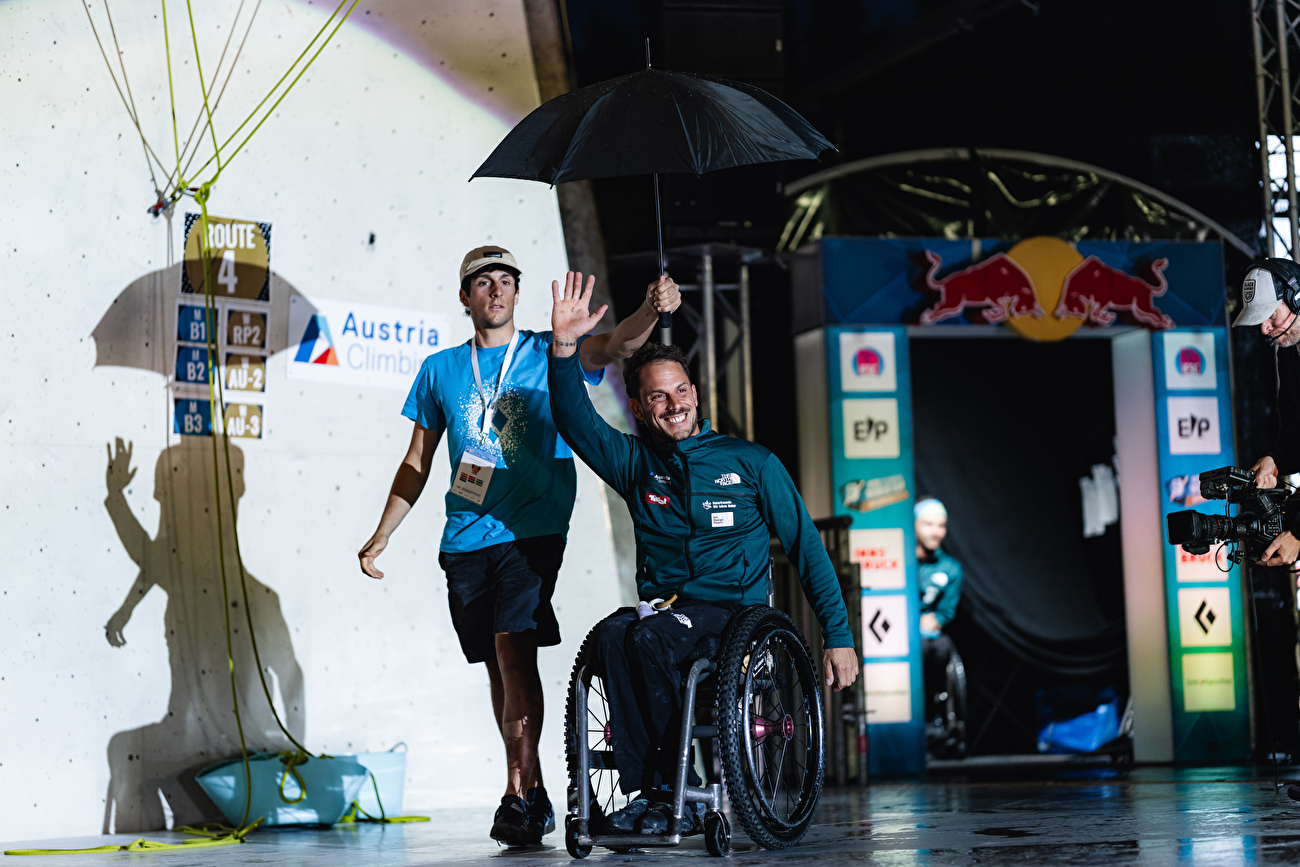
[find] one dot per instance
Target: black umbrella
(649, 122)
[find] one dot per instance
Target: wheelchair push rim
(774, 740)
(778, 723)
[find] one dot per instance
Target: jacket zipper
(690, 523)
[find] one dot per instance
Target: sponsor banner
(360, 344)
(866, 495)
(1208, 682)
(1043, 288)
(888, 686)
(1204, 617)
(1213, 566)
(879, 555)
(1189, 361)
(1203, 605)
(241, 258)
(884, 625)
(867, 361)
(871, 428)
(1194, 426)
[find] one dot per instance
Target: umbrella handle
(665, 320)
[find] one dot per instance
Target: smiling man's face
(667, 403)
(491, 298)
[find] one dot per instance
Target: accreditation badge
(473, 476)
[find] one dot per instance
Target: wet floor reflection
(1214, 816)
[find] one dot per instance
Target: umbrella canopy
(650, 122)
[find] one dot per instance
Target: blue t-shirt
(533, 486)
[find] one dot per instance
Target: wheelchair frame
(710, 794)
(717, 829)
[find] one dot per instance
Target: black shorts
(503, 588)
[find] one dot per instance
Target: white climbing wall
(110, 617)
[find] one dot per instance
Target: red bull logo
(868, 362)
(1190, 361)
(1094, 290)
(1047, 274)
(997, 284)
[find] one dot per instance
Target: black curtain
(1003, 431)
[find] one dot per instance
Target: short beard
(1289, 338)
(665, 437)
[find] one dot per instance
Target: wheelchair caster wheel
(717, 834)
(571, 839)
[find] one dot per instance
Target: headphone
(1286, 276)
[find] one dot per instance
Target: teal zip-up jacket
(939, 578)
(704, 509)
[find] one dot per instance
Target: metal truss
(1274, 26)
(716, 316)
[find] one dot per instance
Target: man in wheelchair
(705, 507)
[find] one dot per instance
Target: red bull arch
(1153, 313)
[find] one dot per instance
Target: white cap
(929, 507)
(1259, 298)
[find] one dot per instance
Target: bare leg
(498, 690)
(521, 709)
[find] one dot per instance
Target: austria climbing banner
(361, 344)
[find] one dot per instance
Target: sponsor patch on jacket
(660, 478)
(727, 479)
(718, 504)
(655, 499)
(724, 519)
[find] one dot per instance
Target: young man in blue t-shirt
(510, 496)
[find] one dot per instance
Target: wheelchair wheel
(771, 726)
(592, 734)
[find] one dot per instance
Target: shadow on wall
(152, 767)
(134, 331)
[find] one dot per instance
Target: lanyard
(490, 405)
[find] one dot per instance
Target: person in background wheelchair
(939, 580)
(705, 507)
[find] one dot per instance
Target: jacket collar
(687, 445)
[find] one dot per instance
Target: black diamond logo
(1209, 617)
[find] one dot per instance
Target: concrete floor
(1146, 816)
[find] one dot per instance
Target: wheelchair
(757, 706)
(946, 709)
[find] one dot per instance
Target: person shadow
(152, 784)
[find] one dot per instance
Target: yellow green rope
(203, 89)
(216, 834)
(171, 92)
(287, 73)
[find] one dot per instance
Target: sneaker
(511, 825)
(624, 821)
(541, 815)
(657, 820)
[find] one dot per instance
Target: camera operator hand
(1283, 551)
(1265, 470)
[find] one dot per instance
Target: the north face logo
(727, 479)
(656, 499)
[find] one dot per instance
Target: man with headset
(1270, 298)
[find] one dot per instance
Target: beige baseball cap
(483, 256)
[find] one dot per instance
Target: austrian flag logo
(656, 499)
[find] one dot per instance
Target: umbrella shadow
(152, 767)
(136, 329)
